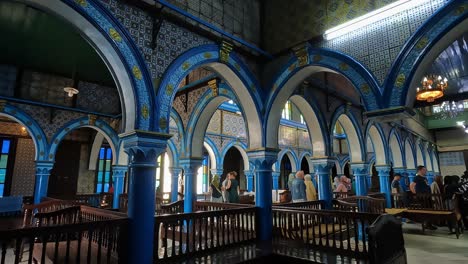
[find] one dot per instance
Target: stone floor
(434, 246)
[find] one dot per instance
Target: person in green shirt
(233, 187)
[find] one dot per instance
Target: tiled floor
(435, 246)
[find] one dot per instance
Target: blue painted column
(43, 169)
(430, 177)
(404, 175)
(249, 175)
(275, 176)
(262, 160)
(411, 174)
(190, 166)
(322, 168)
(361, 175)
(384, 179)
(118, 177)
(175, 172)
(143, 149)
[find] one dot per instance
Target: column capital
(413, 171)
(44, 165)
(248, 172)
(119, 170)
(263, 158)
(191, 163)
(400, 170)
(219, 172)
(361, 168)
(275, 173)
(144, 147)
(383, 169)
(322, 164)
(175, 171)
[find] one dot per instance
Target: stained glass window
(5, 149)
(104, 170)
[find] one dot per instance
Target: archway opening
(233, 161)
(285, 170)
(204, 176)
(76, 170)
(163, 178)
(305, 165)
(17, 158)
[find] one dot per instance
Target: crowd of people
(444, 187)
(302, 189)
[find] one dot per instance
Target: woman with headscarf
(311, 193)
(215, 191)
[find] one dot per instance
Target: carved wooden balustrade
(179, 235)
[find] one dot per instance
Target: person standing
(420, 186)
(298, 190)
(233, 187)
(311, 193)
(216, 196)
(224, 190)
(399, 199)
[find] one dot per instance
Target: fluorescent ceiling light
(372, 17)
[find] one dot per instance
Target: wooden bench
(432, 208)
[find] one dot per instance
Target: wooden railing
(66, 243)
(176, 207)
(317, 205)
(424, 201)
(362, 204)
(211, 206)
(179, 235)
(342, 232)
(339, 195)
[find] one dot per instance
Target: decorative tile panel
(97, 98)
(233, 125)
(24, 172)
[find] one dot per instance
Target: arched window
(202, 177)
(104, 171)
(286, 114)
(4, 168)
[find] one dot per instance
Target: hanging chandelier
(448, 110)
(432, 88)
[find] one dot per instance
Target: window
(5, 148)
(302, 120)
(104, 172)
(166, 182)
(202, 177)
(286, 114)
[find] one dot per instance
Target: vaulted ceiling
(36, 40)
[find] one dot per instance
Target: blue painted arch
(295, 165)
(409, 157)
(353, 132)
(293, 74)
(424, 45)
(241, 147)
(379, 142)
(120, 53)
(100, 125)
(201, 116)
(395, 148)
(215, 156)
(180, 129)
(234, 72)
(34, 130)
(174, 154)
